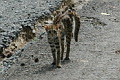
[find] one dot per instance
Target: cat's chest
(55, 36)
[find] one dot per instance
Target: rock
(22, 64)
(22, 50)
(36, 60)
(8, 63)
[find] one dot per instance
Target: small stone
(32, 55)
(22, 50)
(22, 64)
(36, 60)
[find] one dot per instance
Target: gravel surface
(93, 57)
(14, 13)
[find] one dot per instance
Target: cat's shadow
(50, 67)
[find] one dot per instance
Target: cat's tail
(77, 27)
(76, 22)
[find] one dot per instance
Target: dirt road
(92, 58)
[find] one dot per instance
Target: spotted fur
(62, 27)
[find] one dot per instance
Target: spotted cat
(61, 27)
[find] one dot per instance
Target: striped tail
(77, 27)
(72, 12)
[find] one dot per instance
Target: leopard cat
(62, 27)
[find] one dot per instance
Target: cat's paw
(59, 66)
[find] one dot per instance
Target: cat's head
(51, 27)
(51, 30)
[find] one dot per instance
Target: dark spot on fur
(57, 43)
(54, 31)
(49, 31)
